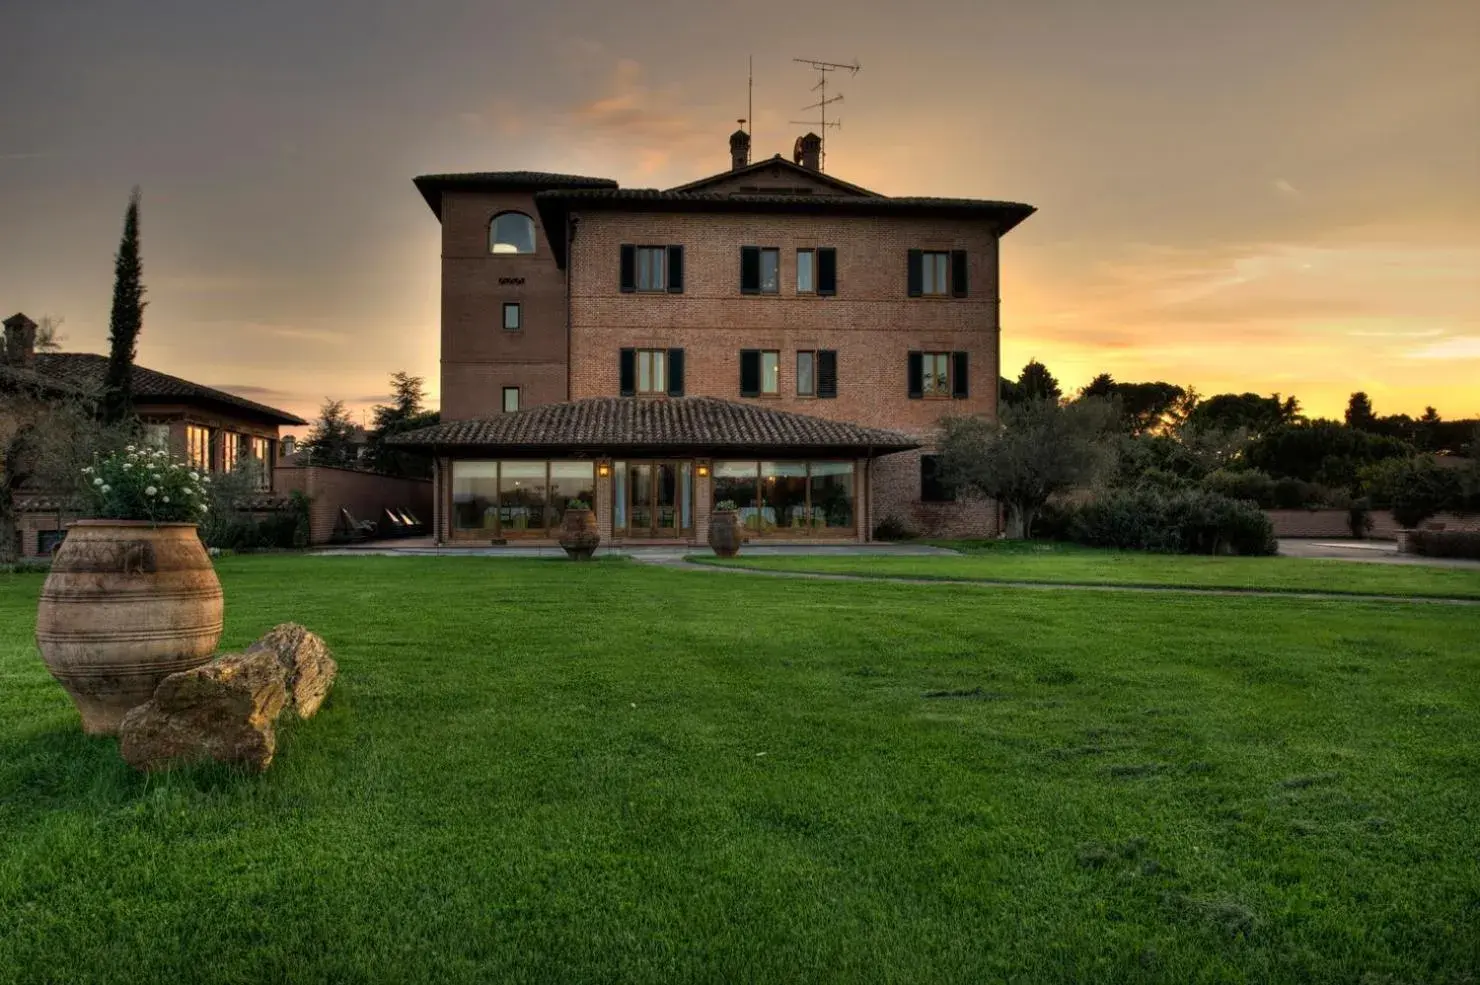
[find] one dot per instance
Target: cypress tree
(125, 320)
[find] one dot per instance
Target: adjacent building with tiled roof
(771, 335)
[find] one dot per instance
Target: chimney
(289, 446)
(739, 150)
(20, 341)
(808, 152)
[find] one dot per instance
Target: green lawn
(1038, 561)
(535, 771)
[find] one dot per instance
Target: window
(513, 316)
(935, 272)
(511, 232)
(770, 271)
(652, 376)
(157, 436)
(788, 499)
(261, 451)
(770, 372)
(198, 447)
(652, 268)
(511, 399)
(938, 375)
(493, 499)
(806, 374)
(806, 272)
(932, 489)
(230, 451)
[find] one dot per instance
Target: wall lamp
(604, 469)
(703, 470)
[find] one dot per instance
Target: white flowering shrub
(146, 484)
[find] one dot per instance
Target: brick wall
(1333, 523)
(364, 493)
(479, 357)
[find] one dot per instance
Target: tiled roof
(86, 370)
(432, 186)
(19, 378)
(675, 422)
(778, 161)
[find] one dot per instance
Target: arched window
(511, 232)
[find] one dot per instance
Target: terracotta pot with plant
(725, 537)
(132, 596)
(578, 533)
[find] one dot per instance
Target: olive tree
(1037, 448)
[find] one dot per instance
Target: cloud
(204, 283)
(257, 392)
(1285, 188)
(297, 334)
(644, 122)
(21, 156)
(1459, 347)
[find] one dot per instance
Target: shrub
(1192, 521)
(1420, 488)
(145, 484)
(1054, 520)
(1445, 543)
(578, 504)
(893, 528)
(725, 504)
(1250, 484)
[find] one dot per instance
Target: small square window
(652, 268)
(806, 374)
(511, 399)
(513, 316)
(935, 274)
(806, 272)
(770, 271)
(770, 372)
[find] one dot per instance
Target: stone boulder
(223, 711)
(306, 663)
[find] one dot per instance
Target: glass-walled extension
(790, 499)
(517, 498)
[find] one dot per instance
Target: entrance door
(656, 503)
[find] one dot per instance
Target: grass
(1069, 564)
(534, 771)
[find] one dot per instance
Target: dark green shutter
(675, 270)
(750, 270)
(627, 372)
(629, 268)
(675, 372)
(750, 372)
(915, 370)
(960, 388)
(958, 273)
(827, 373)
(827, 271)
(915, 275)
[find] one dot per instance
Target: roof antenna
(822, 123)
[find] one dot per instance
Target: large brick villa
(770, 335)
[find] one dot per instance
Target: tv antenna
(822, 122)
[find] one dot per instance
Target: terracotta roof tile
(86, 370)
(676, 422)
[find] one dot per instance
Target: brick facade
(364, 494)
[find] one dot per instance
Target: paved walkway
(655, 555)
(1369, 551)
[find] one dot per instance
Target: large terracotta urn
(578, 534)
(127, 603)
(725, 537)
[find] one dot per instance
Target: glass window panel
(511, 399)
(783, 497)
(568, 481)
(157, 436)
(805, 283)
(686, 492)
(640, 484)
(737, 482)
(652, 263)
(666, 504)
(230, 446)
(806, 376)
(660, 371)
(770, 271)
(475, 496)
(770, 372)
(644, 373)
(198, 447)
(521, 496)
(832, 496)
(511, 232)
(511, 316)
(619, 495)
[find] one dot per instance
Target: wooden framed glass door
(658, 497)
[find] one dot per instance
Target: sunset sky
(1268, 195)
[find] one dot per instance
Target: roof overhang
(556, 206)
(432, 186)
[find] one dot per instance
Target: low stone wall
(1334, 523)
(365, 494)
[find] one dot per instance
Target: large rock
(223, 711)
(306, 662)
